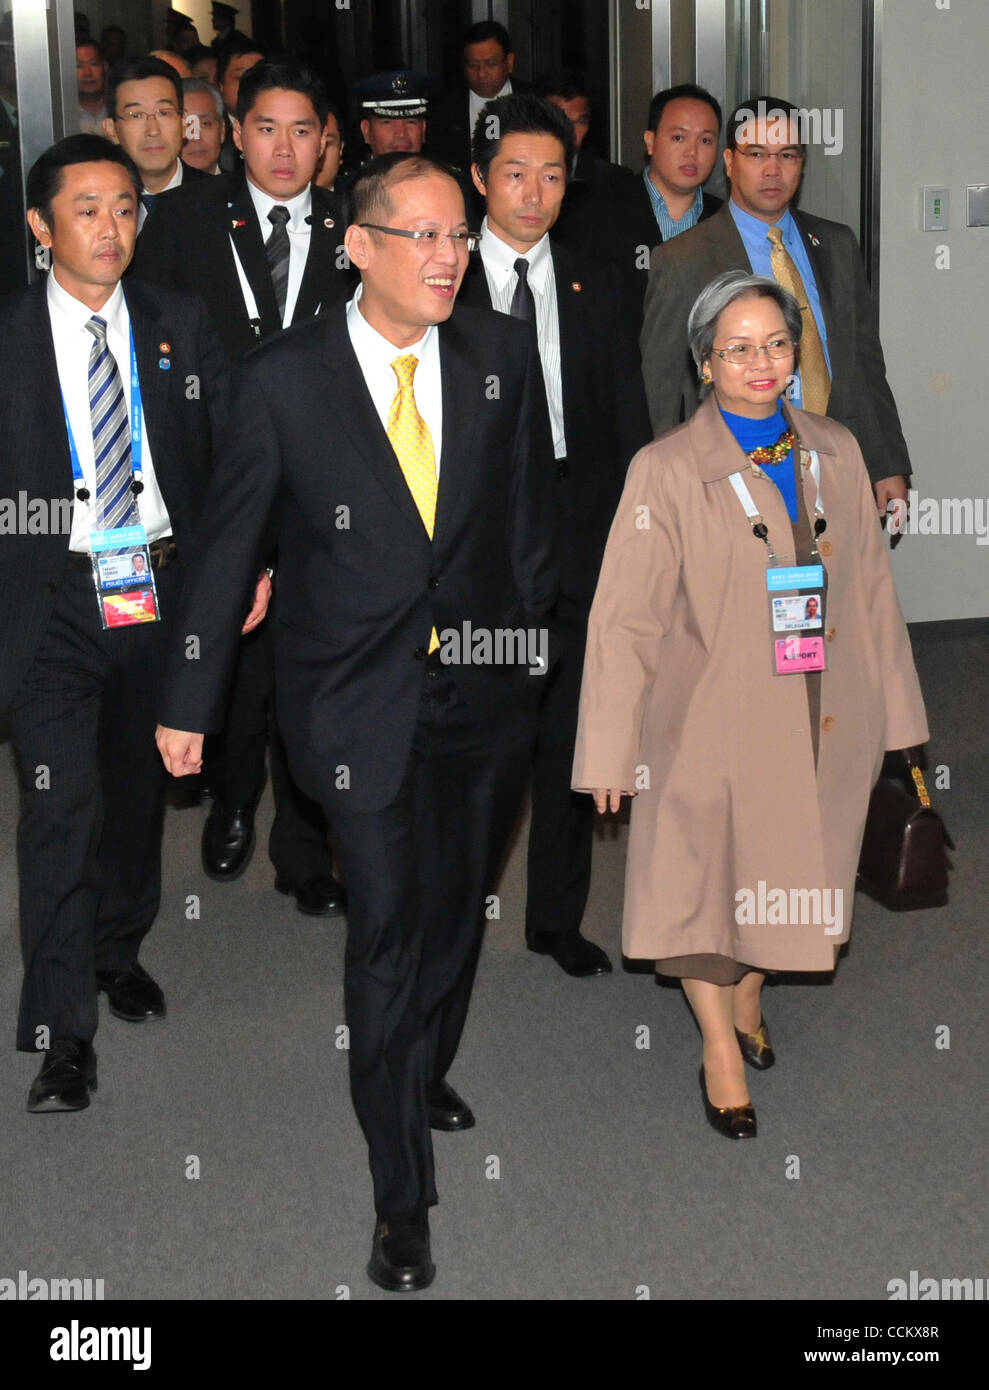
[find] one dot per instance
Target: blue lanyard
(135, 423)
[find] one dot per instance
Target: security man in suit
(144, 99)
(842, 372)
(597, 406)
(489, 71)
(409, 456)
(263, 250)
(102, 427)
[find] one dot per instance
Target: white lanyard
(745, 497)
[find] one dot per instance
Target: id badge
(797, 600)
(123, 578)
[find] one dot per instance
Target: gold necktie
(815, 379)
(413, 445)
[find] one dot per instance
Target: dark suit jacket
(592, 216)
(182, 429)
(360, 583)
(447, 130)
(860, 396)
(605, 418)
(185, 243)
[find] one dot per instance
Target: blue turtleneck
(755, 434)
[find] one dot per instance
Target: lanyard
(760, 530)
(136, 435)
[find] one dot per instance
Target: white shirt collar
(299, 208)
(499, 258)
(74, 315)
(368, 340)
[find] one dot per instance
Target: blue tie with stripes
(115, 503)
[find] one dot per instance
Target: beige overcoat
(679, 701)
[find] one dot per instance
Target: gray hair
(723, 290)
(202, 84)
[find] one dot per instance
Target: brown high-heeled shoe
(756, 1047)
(733, 1121)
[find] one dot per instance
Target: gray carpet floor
(591, 1173)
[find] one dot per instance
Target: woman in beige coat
(751, 787)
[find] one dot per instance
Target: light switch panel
(978, 205)
(934, 209)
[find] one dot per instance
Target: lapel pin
(576, 285)
(238, 222)
(329, 222)
(164, 347)
(814, 240)
(164, 364)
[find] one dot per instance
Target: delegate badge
(123, 578)
(797, 598)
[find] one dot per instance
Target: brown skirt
(715, 969)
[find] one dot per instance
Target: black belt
(163, 552)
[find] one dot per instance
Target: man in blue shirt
(843, 373)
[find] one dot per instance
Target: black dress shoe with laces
(67, 1076)
(733, 1121)
(228, 842)
(131, 993)
(400, 1260)
(756, 1047)
(446, 1109)
(317, 897)
(574, 954)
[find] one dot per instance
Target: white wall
(935, 323)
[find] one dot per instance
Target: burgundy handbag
(904, 860)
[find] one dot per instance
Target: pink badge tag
(797, 654)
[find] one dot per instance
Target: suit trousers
(561, 829)
(417, 873)
(298, 845)
(92, 800)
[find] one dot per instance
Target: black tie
(276, 250)
(523, 304)
(148, 199)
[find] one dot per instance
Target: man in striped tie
(110, 403)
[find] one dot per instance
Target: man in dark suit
(236, 58)
(591, 218)
(144, 101)
(668, 198)
(488, 69)
(597, 406)
(842, 369)
(218, 240)
(415, 532)
(80, 695)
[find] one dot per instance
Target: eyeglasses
(741, 354)
(160, 113)
(430, 240)
(787, 158)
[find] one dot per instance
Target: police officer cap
(401, 93)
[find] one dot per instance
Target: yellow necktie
(815, 379)
(413, 445)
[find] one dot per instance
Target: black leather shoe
(228, 842)
(67, 1076)
(400, 1261)
(574, 954)
(131, 993)
(756, 1047)
(446, 1109)
(319, 897)
(733, 1121)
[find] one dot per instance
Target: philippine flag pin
(238, 222)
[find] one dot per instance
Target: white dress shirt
(474, 103)
(375, 354)
(174, 182)
(73, 342)
(299, 209)
(498, 260)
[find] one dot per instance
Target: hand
(262, 596)
(607, 800)
(889, 490)
(181, 752)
